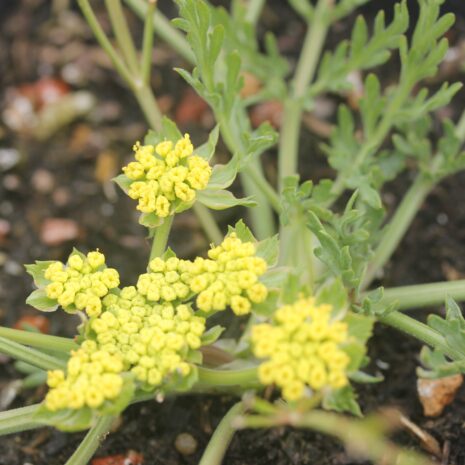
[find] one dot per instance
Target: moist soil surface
(63, 183)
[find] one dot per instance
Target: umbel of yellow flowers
(82, 283)
(229, 277)
(151, 341)
(165, 175)
(303, 348)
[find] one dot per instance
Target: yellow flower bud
(55, 378)
(54, 290)
(163, 148)
(95, 259)
(76, 262)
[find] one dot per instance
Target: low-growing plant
(301, 277)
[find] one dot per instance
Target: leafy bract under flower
(302, 346)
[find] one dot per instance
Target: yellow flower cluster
(92, 377)
(82, 283)
(165, 175)
(229, 277)
(131, 335)
(153, 340)
(303, 348)
(167, 281)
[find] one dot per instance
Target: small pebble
(185, 444)
(5, 228)
(55, 231)
(11, 182)
(43, 181)
(8, 159)
(13, 268)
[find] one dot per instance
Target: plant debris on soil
(56, 193)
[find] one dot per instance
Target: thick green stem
(254, 10)
(255, 173)
(400, 222)
(293, 107)
(422, 332)
(425, 295)
(256, 186)
(38, 340)
(289, 140)
(208, 223)
(147, 43)
(104, 42)
(305, 72)
(164, 29)
(122, 34)
(92, 441)
(243, 377)
(222, 437)
(254, 182)
(31, 356)
(160, 239)
(18, 419)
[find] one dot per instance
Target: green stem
(18, 419)
(92, 441)
(208, 223)
(400, 222)
(460, 127)
(149, 105)
(253, 180)
(38, 340)
(263, 223)
(160, 238)
(255, 173)
(305, 72)
(422, 332)
(254, 10)
(104, 42)
(32, 356)
(164, 29)
(293, 106)
(147, 43)
(361, 438)
(122, 34)
(243, 377)
(222, 437)
(424, 295)
(307, 257)
(289, 140)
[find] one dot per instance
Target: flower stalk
(222, 437)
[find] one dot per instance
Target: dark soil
(66, 177)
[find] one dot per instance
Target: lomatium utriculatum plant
(300, 278)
